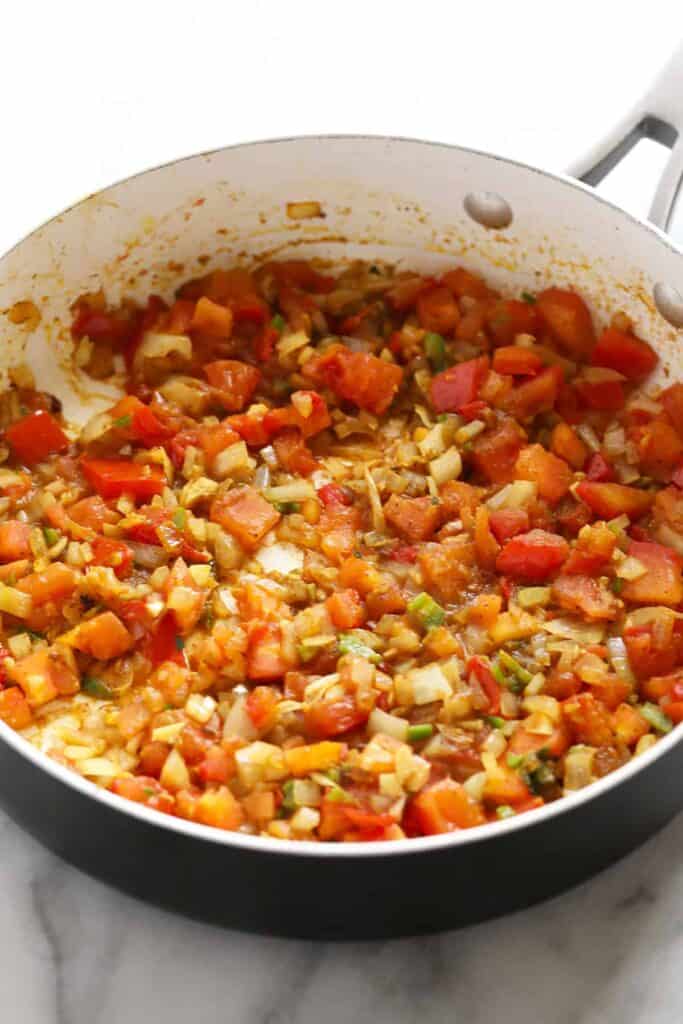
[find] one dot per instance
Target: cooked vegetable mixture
(360, 556)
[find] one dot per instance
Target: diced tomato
(598, 469)
(567, 317)
(516, 360)
(404, 294)
(481, 670)
(43, 676)
(463, 282)
(300, 274)
(235, 381)
(495, 452)
(611, 690)
(293, 453)
(137, 422)
(346, 609)
(660, 449)
(445, 806)
(35, 437)
(337, 527)
(92, 513)
(589, 720)
(628, 724)
(261, 705)
(652, 654)
(551, 475)
(98, 325)
(113, 477)
(474, 410)
(416, 519)
(14, 540)
(113, 553)
(211, 319)
(164, 644)
(54, 584)
(508, 522)
(323, 719)
(102, 637)
(672, 400)
(506, 318)
(567, 444)
(264, 652)
(662, 582)
(585, 595)
(437, 310)
(144, 790)
(15, 710)
(308, 413)
(611, 500)
(245, 514)
(367, 381)
(602, 395)
(535, 395)
(447, 567)
(555, 744)
(625, 353)
(458, 385)
(505, 786)
(217, 766)
(404, 553)
(333, 494)
(533, 556)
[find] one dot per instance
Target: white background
(93, 92)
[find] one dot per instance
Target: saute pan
(424, 206)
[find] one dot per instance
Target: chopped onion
(289, 343)
(670, 537)
(238, 724)
(600, 374)
(447, 467)
(631, 569)
(474, 786)
(470, 431)
(297, 490)
(614, 441)
(434, 443)
(533, 597)
(149, 556)
(618, 655)
(378, 521)
(514, 495)
(389, 725)
(574, 629)
(232, 459)
(494, 743)
(422, 686)
(174, 775)
(282, 557)
(547, 706)
(588, 436)
(578, 767)
(260, 762)
(15, 602)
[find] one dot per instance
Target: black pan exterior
(343, 897)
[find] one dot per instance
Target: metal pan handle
(657, 115)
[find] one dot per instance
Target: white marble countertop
(100, 100)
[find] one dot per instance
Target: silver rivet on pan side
(488, 209)
(669, 302)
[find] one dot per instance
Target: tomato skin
(463, 282)
(516, 360)
(506, 318)
(535, 395)
(53, 585)
(566, 444)
(367, 381)
(333, 718)
(35, 437)
(245, 514)
(235, 382)
(346, 609)
(599, 470)
(610, 500)
(445, 806)
(603, 396)
(672, 400)
(625, 353)
(533, 556)
(589, 720)
(506, 523)
(482, 672)
(113, 553)
(416, 519)
(144, 426)
(261, 705)
(293, 453)
(578, 593)
(494, 453)
(14, 708)
(144, 790)
(551, 474)
(662, 583)
(567, 317)
(333, 494)
(264, 652)
(163, 645)
(113, 477)
(437, 310)
(458, 385)
(14, 540)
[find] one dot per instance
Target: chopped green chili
(123, 422)
(426, 611)
(180, 518)
(278, 322)
(51, 535)
(435, 351)
(417, 733)
(349, 643)
(656, 717)
(528, 297)
(505, 811)
(96, 688)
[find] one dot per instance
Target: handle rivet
(488, 209)
(669, 302)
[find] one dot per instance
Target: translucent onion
(578, 767)
(514, 495)
(389, 725)
(618, 655)
(573, 629)
(297, 490)
(149, 556)
(447, 467)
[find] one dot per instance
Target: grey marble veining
(76, 952)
